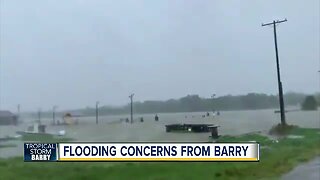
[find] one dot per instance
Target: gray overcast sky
(72, 53)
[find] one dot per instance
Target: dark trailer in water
(196, 128)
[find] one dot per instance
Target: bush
(279, 129)
(310, 103)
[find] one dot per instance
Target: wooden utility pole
(97, 112)
(319, 80)
(212, 96)
(18, 110)
(39, 115)
(131, 96)
(54, 114)
(281, 101)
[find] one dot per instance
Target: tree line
(194, 103)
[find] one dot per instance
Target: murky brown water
(110, 128)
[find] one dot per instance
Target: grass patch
(278, 158)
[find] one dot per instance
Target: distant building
(8, 118)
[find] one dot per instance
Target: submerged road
(308, 171)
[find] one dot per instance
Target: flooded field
(111, 129)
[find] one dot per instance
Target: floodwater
(110, 129)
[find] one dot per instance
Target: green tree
(309, 103)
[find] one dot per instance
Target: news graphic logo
(40, 152)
